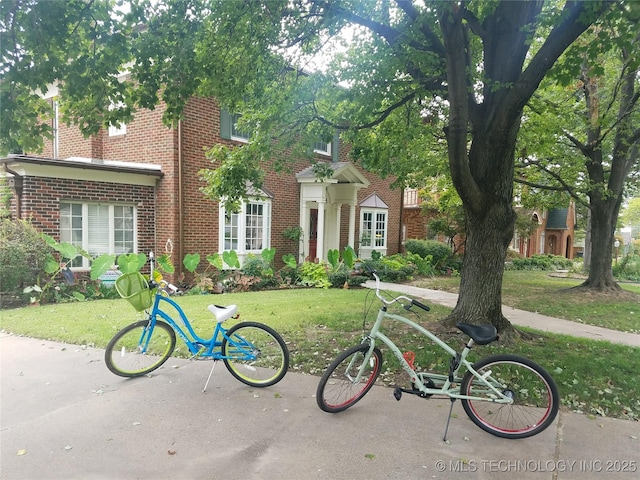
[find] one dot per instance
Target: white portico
(321, 203)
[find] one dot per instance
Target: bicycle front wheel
(255, 354)
(349, 377)
(140, 348)
(533, 391)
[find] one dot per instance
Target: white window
(236, 133)
(322, 148)
(373, 232)
(98, 229)
(119, 129)
(373, 229)
(248, 230)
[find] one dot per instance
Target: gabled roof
(557, 219)
(373, 201)
(343, 172)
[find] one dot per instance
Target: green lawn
(550, 295)
(594, 377)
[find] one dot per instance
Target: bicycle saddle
(481, 334)
(223, 313)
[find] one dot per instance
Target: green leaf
(349, 257)
(101, 264)
(268, 254)
(290, 260)
(51, 265)
(333, 256)
(191, 261)
(131, 262)
(231, 258)
(164, 263)
(216, 260)
(79, 296)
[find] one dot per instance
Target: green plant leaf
(79, 296)
(51, 265)
(191, 261)
(268, 254)
(290, 260)
(101, 264)
(349, 257)
(333, 256)
(131, 262)
(231, 258)
(164, 263)
(216, 260)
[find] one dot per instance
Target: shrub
(23, 253)
(540, 262)
(440, 253)
(314, 275)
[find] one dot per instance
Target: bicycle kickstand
(209, 377)
(446, 429)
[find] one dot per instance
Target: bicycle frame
(417, 377)
(197, 345)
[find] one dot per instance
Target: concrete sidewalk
(521, 317)
(65, 416)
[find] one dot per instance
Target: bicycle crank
(398, 391)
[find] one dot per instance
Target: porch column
(337, 232)
(303, 244)
(352, 225)
(320, 245)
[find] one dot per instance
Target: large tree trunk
(604, 214)
(488, 236)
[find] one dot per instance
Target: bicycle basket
(134, 288)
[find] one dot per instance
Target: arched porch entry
(321, 202)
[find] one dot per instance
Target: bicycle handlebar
(398, 299)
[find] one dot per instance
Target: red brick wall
(42, 197)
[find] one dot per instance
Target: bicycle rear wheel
(340, 387)
(140, 348)
(534, 393)
(255, 354)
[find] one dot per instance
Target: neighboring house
(555, 233)
(136, 188)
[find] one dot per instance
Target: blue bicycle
(253, 353)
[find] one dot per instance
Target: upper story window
(236, 133)
(229, 127)
(322, 148)
(98, 229)
(120, 128)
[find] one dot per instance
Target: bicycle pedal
(397, 392)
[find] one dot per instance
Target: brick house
(555, 233)
(137, 189)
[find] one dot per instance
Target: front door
(313, 234)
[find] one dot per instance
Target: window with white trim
(120, 128)
(373, 229)
(323, 148)
(236, 133)
(248, 230)
(98, 229)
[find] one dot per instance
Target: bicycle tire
(535, 397)
(337, 391)
(125, 356)
(255, 354)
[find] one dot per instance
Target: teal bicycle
(253, 353)
(506, 395)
